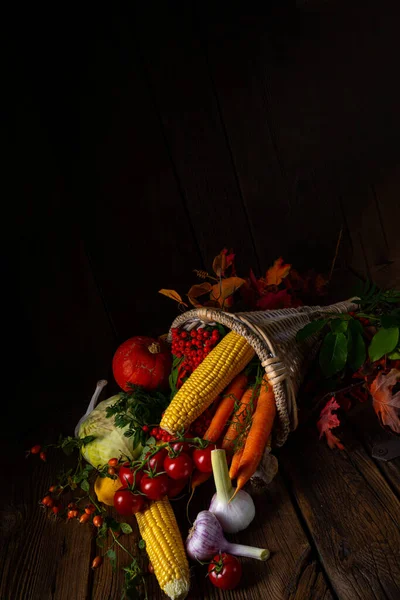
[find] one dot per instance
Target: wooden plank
(386, 184)
(106, 582)
(351, 513)
(41, 557)
(366, 423)
(363, 221)
(287, 199)
(137, 230)
(60, 316)
(174, 59)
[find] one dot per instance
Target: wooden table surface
(330, 520)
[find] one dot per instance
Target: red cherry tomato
(126, 474)
(178, 467)
(182, 447)
(156, 462)
(155, 488)
(127, 503)
(202, 458)
(225, 571)
(175, 487)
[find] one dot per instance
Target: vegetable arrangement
(205, 410)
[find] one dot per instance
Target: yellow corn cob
(159, 529)
(216, 371)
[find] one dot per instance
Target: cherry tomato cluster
(164, 473)
(194, 345)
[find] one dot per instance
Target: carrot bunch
(245, 464)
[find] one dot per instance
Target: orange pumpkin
(142, 361)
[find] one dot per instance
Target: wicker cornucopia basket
(272, 334)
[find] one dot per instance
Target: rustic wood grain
(42, 558)
(281, 192)
(365, 422)
(351, 513)
(137, 230)
(177, 72)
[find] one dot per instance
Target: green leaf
(142, 544)
(151, 441)
(311, 329)
(333, 354)
(339, 325)
(355, 326)
(395, 355)
(85, 485)
(357, 352)
(113, 559)
(126, 528)
(383, 342)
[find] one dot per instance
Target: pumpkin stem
(154, 348)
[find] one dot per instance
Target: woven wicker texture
(272, 334)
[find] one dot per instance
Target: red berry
(193, 333)
(56, 509)
(36, 449)
(72, 514)
(72, 506)
(145, 428)
(113, 462)
(206, 334)
(154, 431)
(84, 518)
(48, 501)
(98, 521)
(97, 562)
(90, 509)
(184, 334)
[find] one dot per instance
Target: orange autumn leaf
(198, 290)
(277, 272)
(384, 402)
(222, 291)
(173, 295)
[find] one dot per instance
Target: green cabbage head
(110, 441)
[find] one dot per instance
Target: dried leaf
(384, 402)
(198, 290)
(173, 295)
(222, 291)
(329, 421)
(219, 264)
(277, 272)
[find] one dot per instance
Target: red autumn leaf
(329, 421)
(277, 272)
(272, 301)
(384, 402)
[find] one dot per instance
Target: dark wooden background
(143, 141)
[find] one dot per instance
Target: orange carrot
(235, 463)
(233, 393)
(239, 418)
(261, 427)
